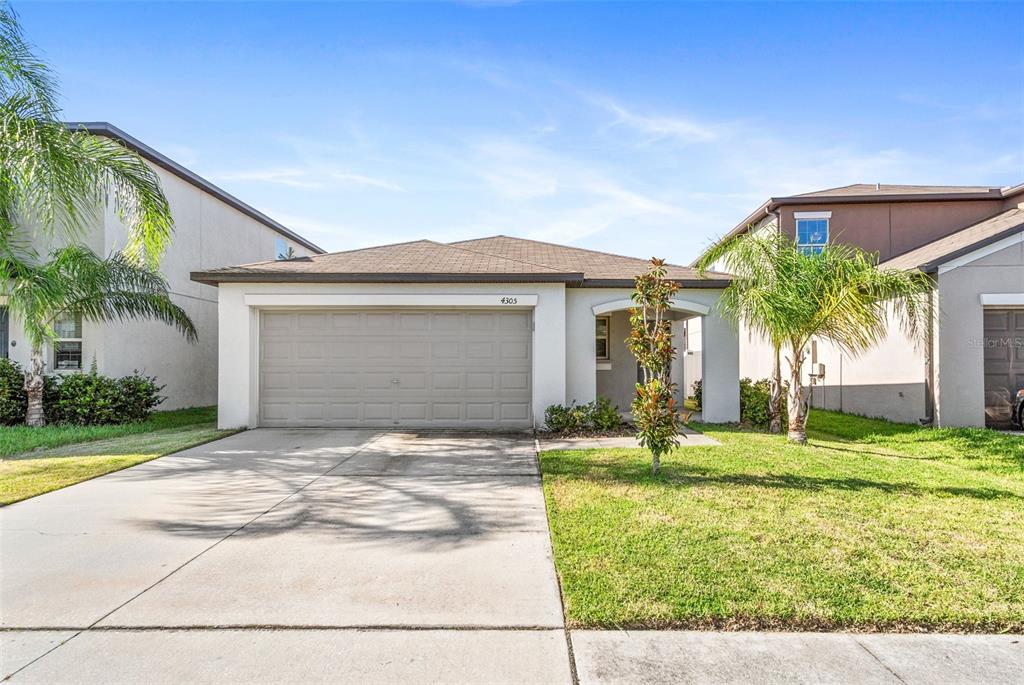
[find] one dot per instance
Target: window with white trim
(812, 231)
(601, 345)
(67, 347)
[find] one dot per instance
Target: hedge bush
(84, 399)
(755, 397)
(698, 393)
(13, 400)
(599, 415)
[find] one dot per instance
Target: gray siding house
(212, 228)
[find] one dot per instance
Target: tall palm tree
(792, 296)
(75, 280)
(54, 181)
(54, 178)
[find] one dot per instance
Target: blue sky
(642, 129)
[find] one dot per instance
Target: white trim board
(812, 215)
(1002, 299)
(983, 252)
(494, 300)
(678, 305)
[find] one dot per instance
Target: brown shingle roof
(931, 255)
(886, 189)
(495, 259)
(596, 266)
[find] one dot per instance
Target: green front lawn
(38, 460)
(873, 526)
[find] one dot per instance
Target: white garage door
(405, 367)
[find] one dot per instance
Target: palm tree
(792, 295)
(75, 280)
(55, 178)
(53, 182)
(762, 273)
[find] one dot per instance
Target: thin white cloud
(313, 177)
(656, 127)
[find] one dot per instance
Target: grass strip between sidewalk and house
(38, 460)
(873, 526)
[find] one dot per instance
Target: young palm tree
(75, 280)
(56, 179)
(839, 295)
(762, 271)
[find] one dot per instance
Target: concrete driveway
(290, 556)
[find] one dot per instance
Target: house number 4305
(509, 300)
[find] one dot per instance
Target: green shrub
(90, 399)
(84, 399)
(604, 416)
(599, 415)
(698, 393)
(13, 399)
(755, 397)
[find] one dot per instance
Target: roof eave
(775, 202)
(103, 128)
(709, 283)
(214, 278)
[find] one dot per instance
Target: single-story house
(480, 333)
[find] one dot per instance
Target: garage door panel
(446, 411)
(401, 368)
(445, 349)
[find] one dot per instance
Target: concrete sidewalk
(678, 657)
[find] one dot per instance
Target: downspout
(929, 358)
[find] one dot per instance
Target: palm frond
(77, 280)
(21, 72)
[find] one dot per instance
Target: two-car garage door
(412, 368)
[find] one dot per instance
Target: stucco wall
(564, 365)
(208, 234)
(887, 381)
(719, 343)
(892, 228)
(960, 364)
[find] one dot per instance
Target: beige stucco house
(212, 228)
(970, 241)
(480, 333)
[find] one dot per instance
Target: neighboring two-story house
(211, 229)
(970, 241)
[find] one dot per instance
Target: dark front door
(1004, 363)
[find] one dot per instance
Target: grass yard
(874, 526)
(38, 460)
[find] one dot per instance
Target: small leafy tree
(650, 341)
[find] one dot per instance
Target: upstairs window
(812, 231)
(67, 348)
(281, 249)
